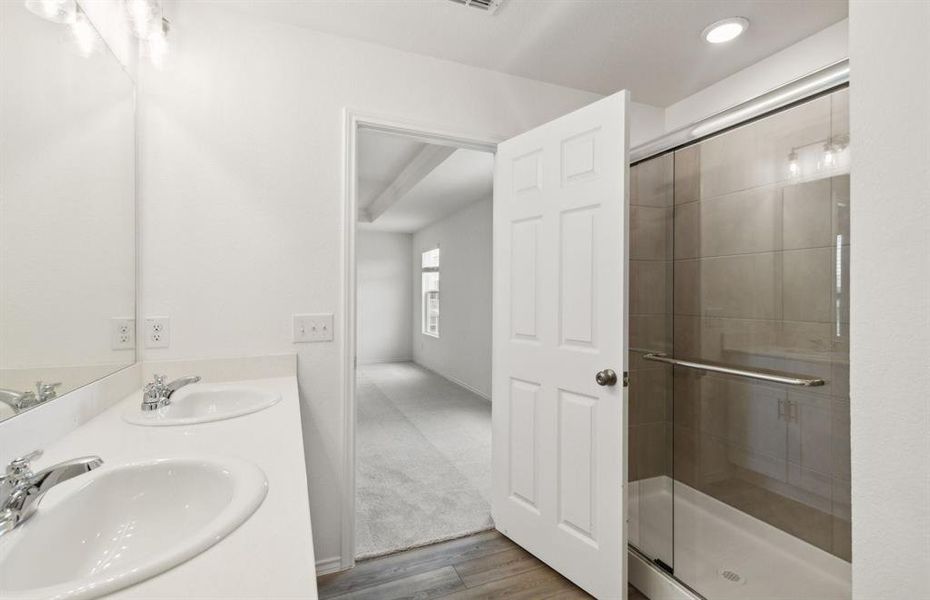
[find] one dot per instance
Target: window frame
(429, 297)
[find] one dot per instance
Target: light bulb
(144, 17)
(828, 157)
(725, 30)
(84, 34)
(793, 167)
(157, 44)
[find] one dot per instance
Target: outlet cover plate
(313, 328)
(122, 333)
(157, 332)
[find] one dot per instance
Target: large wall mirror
(67, 205)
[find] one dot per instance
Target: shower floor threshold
(724, 553)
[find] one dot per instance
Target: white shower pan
(726, 554)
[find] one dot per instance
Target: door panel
(560, 246)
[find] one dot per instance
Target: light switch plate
(122, 333)
(157, 332)
(313, 328)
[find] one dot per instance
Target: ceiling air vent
(490, 6)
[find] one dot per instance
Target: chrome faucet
(20, 401)
(21, 490)
(17, 400)
(157, 393)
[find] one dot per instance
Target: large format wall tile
(807, 215)
(649, 233)
(808, 285)
(742, 222)
(652, 183)
(688, 174)
(649, 287)
(744, 286)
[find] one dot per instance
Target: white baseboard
(328, 565)
(385, 361)
(455, 381)
(654, 583)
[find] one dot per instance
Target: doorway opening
(422, 334)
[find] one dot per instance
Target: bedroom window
(429, 277)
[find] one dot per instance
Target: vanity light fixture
(57, 11)
(828, 157)
(156, 45)
(150, 28)
(144, 17)
(84, 34)
(794, 167)
(725, 30)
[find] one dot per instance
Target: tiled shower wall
(757, 260)
(651, 206)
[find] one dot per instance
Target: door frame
(353, 121)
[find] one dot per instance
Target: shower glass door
(740, 258)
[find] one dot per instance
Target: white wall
(242, 191)
(384, 290)
(819, 50)
(462, 352)
(890, 298)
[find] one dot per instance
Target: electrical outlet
(157, 332)
(122, 333)
(313, 328)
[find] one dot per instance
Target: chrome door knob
(606, 377)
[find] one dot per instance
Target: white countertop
(268, 556)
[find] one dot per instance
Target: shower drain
(731, 576)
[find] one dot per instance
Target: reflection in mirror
(67, 205)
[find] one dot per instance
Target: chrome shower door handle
(606, 377)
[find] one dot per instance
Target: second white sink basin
(203, 402)
(125, 524)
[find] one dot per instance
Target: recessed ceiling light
(725, 30)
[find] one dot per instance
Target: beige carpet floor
(423, 449)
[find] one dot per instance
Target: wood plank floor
(486, 565)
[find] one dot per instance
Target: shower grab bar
(761, 375)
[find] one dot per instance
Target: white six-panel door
(560, 247)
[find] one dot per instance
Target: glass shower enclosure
(739, 362)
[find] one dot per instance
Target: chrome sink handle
(154, 393)
(46, 391)
(19, 468)
(21, 490)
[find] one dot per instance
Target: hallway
(424, 459)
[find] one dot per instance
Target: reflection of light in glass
(793, 167)
(157, 45)
(839, 284)
(58, 11)
(819, 159)
(767, 102)
(143, 16)
(84, 34)
(828, 158)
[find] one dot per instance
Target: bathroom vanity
(246, 480)
(204, 494)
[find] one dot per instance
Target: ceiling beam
(422, 165)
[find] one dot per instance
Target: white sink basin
(200, 403)
(127, 523)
